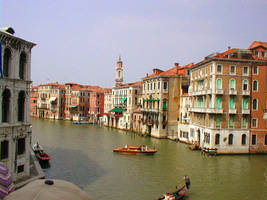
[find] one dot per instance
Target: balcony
(232, 111)
(42, 106)
(197, 109)
(219, 91)
(245, 92)
(215, 110)
(245, 111)
(232, 92)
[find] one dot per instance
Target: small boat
(178, 193)
(80, 122)
(40, 154)
(135, 150)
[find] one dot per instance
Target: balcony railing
(245, 92)
(232, 111)
(245, 111)
(232, 92)
(215, 110)
(219, 91)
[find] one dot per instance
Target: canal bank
(83, 155)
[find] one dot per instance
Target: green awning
(73, 106)
(117, 110)
(124, 99)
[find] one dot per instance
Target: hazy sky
(81, 40)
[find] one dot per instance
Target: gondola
(178, 193)
(40, 154)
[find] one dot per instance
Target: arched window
(219, 84)
(217, 138)
(230, 139)
(232, 84)
(255, 85)
(5, 105)
(21, 106)
(6, 62)
(219, 102)
(255, 104)
(245, 85)
(22, 65)
(244, 139)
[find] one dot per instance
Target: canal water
(82, 154)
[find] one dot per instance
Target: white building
(15, 125)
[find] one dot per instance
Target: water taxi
(135, 150)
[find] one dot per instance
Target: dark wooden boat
(135, 150)
(178, 193)
(40, 154)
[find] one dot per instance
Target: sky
(81, 40)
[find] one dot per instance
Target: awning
(52, 99)
(117, 110)
(73, 106)
(151, 99)
(124, 99)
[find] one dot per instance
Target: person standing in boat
(187, 182)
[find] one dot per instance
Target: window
(255, 104)
(217, 138)
(254, 123)
(255, 85)
(219, 84)
(21, 146)
(245, 103)
(244, 139)
(22, 65)
(218, 122)
(232, 84)
(255, 70)
(6, 62)
(244, 122)
(232, 69)
(232, 103)
(20, 168)
(4, 149)
(219, 69)
(159, 85)
(5, 105)
(231, 122)
(219, 102)
(254, 140)
(154, 85)
(164, 105)
(165, 85)
(245, 70)
(265, 140)
(21, 106)
(230, 139)
(245, 84)
(263, 54)
(256, 53)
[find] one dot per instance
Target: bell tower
(119, 72)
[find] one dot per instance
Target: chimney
(176, 64)
(146, 74)
(228, 48)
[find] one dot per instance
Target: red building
(33, 101)
(258, 131)
(96, 109)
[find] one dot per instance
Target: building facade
(15, 83)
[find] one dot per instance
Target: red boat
(40, 154)
(135, 150)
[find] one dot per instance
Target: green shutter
(219, 102)
(219, 83)
(164, 105)
(232, 84)
(232, 102)
(231, 122)
(218, 122)
(245, 103)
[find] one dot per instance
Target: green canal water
(82, 154)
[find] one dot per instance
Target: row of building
(219, 103)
